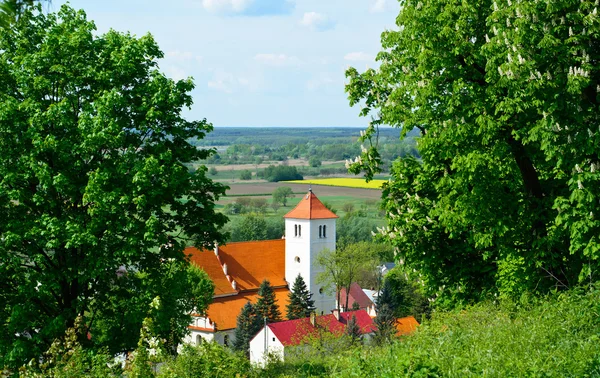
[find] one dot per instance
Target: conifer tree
(353, 331)
(266, 306)
(385, 323)
(385, 320)
(301, 302)
(248, 326)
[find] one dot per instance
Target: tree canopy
(301, 303)
(505, 95)
(96, 201)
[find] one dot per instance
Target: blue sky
(258, 62)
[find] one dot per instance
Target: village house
(237, 269)
(278, 339)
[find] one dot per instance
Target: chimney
(225, 269)
(313, 319)
(216, 249)
(336, 313)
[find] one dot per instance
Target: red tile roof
(249, 263)
(405, 326)
(207, 260)
(224, 311)
(295, 332)
(310, 207)
(356, 295)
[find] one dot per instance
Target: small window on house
(321, 291)
(296, 230)
(226, 340)
(299, 230)
(324, 231)
(273, 339)
(297, 259)
(198, 339)
(320, 231)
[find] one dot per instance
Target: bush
(275, 173)
(246, 175)
(206, 360)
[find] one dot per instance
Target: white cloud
(223, 6)
(317, 21)
(249, 7)
(277, 60)
(323, 80)
(358, 56)
(378, 6)
(227, 82)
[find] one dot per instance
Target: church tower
(309, 228)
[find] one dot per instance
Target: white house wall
(261, 347)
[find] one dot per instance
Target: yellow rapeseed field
(345, 182)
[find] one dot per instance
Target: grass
(343, 182)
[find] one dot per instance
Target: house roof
(207, 260)
(249, 263)
(294, 332)
(310, 207)
(406, 325)
(223, 312)
(357, 295)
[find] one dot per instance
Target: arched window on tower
(296, 230)
(226, 340)
(324, 231)
(320, 231)
(299, 230)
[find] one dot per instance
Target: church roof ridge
(310, 207)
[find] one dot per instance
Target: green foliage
(314, 162)
(213, 171)
(275, 173)
(353, 331)
(301, 302)
(206, 360)
(352, 228)
(506, 99)
(255, 227)
(93, 171)
(341, 267)
(281, 194)
(405, 296)
(266, 305)
(385, 322)
(247, 326)
(246, 175)
(67, 358)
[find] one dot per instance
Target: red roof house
(276, 337)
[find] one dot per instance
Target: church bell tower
(309, 228)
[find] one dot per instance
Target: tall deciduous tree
(281, 195)
(11, 10)
(342, 267)
(301, 302)
(506, 96)
(93, 154)
(266, 305)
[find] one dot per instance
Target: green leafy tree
(301, 302)
(248, 325)
(93, 171)
(266, 305)
(12, 10)
(314, 162)
(342, 267)
(406, 295)
(275, 173)
(505, 96)
(246, 175)
(281, 195)
(353, 331)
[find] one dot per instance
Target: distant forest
(254, 145)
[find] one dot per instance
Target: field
(343, 182)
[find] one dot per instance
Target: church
(237, 270)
